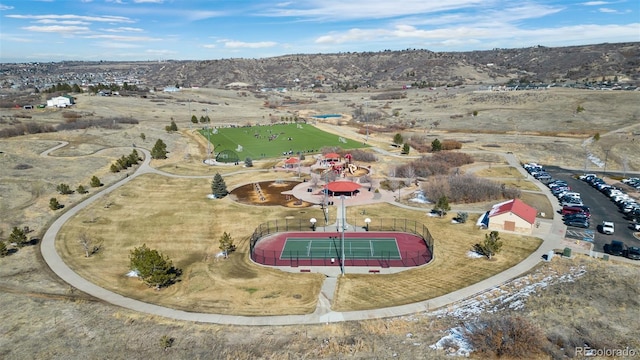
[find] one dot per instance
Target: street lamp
(313, 223)
(367, 221)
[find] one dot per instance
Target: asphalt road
(602, 208)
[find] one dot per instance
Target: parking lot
(602, 208)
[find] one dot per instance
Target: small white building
(513, 215)
(60, 102)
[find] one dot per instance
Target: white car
(607, 227)
(635, 227)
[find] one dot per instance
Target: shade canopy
(293, 160)
(332, 156)
(343, 186)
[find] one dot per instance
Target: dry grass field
(450, 270)
(175, 216)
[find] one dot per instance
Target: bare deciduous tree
(88, 245)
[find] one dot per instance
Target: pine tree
(64, 189)
(54, 204)
(81, 190)
(95, 182)
(442, 205)
(405, 149)
(155, 269)
(436, 145)
(492, 245)
(218, 186)
(18, 237)
(159, 150)
(194, 119)
(397, 139)
(248, 162)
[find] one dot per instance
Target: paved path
(551, 231)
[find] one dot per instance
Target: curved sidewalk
(323, 314)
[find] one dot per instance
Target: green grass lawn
(285, 138)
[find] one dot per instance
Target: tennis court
(362, 248)
(380, 249)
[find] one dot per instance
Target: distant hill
(370, 69)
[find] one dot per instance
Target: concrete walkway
(551, 231)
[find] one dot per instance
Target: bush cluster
(109, 123)
(25, 129)
(125, 162)
(505, 336)
(439, 163)
(467, 189)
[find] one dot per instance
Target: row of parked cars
(574, 212)
(628, 206)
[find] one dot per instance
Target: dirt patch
(268, 193)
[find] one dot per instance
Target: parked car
(566, 210)
(633, 253)
(578, 223)
(576, 216)
(616, 248)
(635, 227)
(607, 227)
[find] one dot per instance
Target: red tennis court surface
(412, 248)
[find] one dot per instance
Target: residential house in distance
(60, 101)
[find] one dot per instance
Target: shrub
(4, 251)
(451, 145)
(54, 204)
(467, 189)
(505, 336)
(95, 182)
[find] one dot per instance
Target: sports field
(363, 248)
(377, 249)
(268, 141)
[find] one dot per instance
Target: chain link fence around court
(276, 258)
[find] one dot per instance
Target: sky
(142, 30)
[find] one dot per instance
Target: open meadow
(171, 212)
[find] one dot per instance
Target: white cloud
(248, 45)
(148, 1)
(58, 29)
(209, 46)
(124, 29)
(367, 9)
(505, 34)
(62, 22)
(116, 45)
(607, 10)
(116, 19)
(122, 37)
(595, 3)
(5, 7)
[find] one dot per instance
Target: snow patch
(454, 343)
(474, 255)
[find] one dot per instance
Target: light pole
(313, 223)
(367, 221)
(342, 225)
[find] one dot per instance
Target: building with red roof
(348, 188)
(513, 215)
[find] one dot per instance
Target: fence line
(409, 258)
